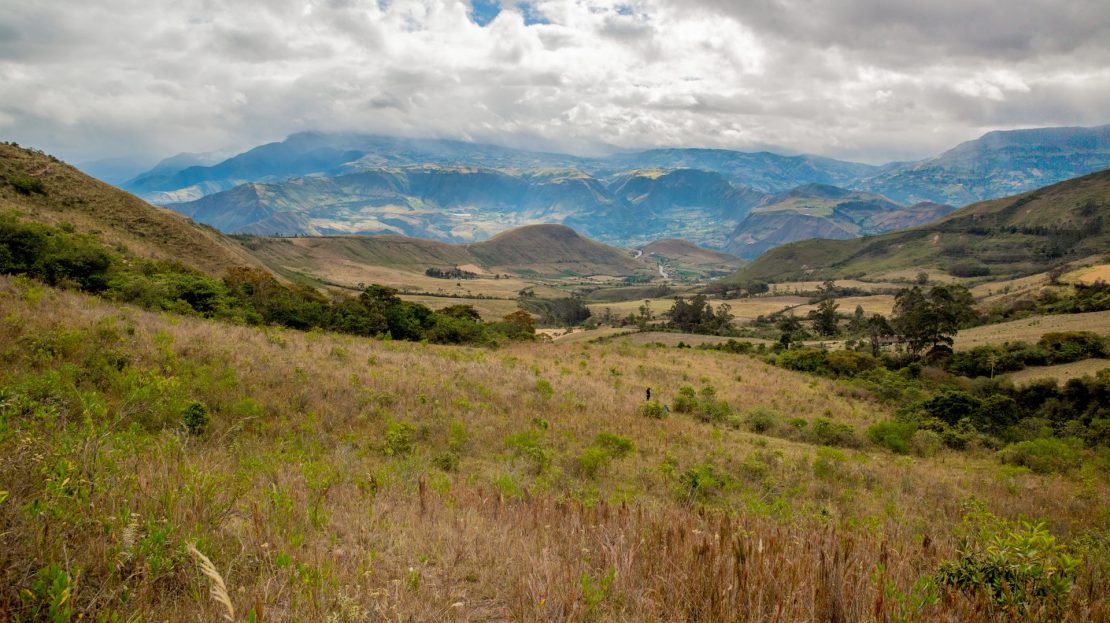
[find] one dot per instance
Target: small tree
(825, 318)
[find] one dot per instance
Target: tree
(824, 318)
(928, 322)
(859, 320)
(878, 329)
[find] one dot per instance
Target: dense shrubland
(248, 296)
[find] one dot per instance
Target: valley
(370, 425)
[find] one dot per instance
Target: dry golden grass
(1031, 329)
(1094, 274)
(875, 304)
(1061, 373)
(491, 309)
(295, 497)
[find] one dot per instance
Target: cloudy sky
(869, 80)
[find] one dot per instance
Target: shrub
(829, 464)
(1044, 456)
(544, 389)
(448, 461)
(529, 446)
(850, 363)
(1068, 346)
(804, 360)
(926, 443)
(592, 461)
(25, 184)
(826, 432)
(761, 419)
(615, 444)
(195, 418)
(892, 434)
(703, 405)
(1019, 569)
(398, 439)
(653, 409)
(701, 482)
(951, 407)
(686, 400)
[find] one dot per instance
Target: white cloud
(864, 79)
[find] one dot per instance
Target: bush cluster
(244, 295)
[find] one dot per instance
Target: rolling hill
(1001, 238)
(686, 258)
(535, 250)
(56, 193)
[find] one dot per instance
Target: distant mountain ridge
(310, 183)
(828, 212)
(1001, 238)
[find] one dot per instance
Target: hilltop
(56, 193)
(1001, 238)
(689, 259)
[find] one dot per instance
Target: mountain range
(743, 203)
(993, 240)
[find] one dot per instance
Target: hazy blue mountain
(315, 153)
(822, 211)
(995, 165)
(763, 171)
(455, 203)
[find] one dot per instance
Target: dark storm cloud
(864, 79)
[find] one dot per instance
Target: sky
(864, 80)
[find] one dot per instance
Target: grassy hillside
(553, 250)
(342, 478)
(999, 239)
(47, 190)
(685, 259)
(537, 250)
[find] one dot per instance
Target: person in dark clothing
(649, 394)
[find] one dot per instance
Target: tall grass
(292, 490)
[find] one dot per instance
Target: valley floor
(335, 478)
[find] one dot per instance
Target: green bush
(448, 461)
(653, 409)
(1044, 456)
(926, 443)
(592, 461)
(529, 446)
(761, 419)
(826, 432)
(703, 405)
(850, 363)
(398, 439)
(1019, 569)
(804, 360)
(892, 434)
(701, 482)
(26, 185)
(615, 444)
(195, 417)
(1068, 346)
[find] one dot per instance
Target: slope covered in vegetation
(1002, 238)
(324, 476)
(49, 191)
